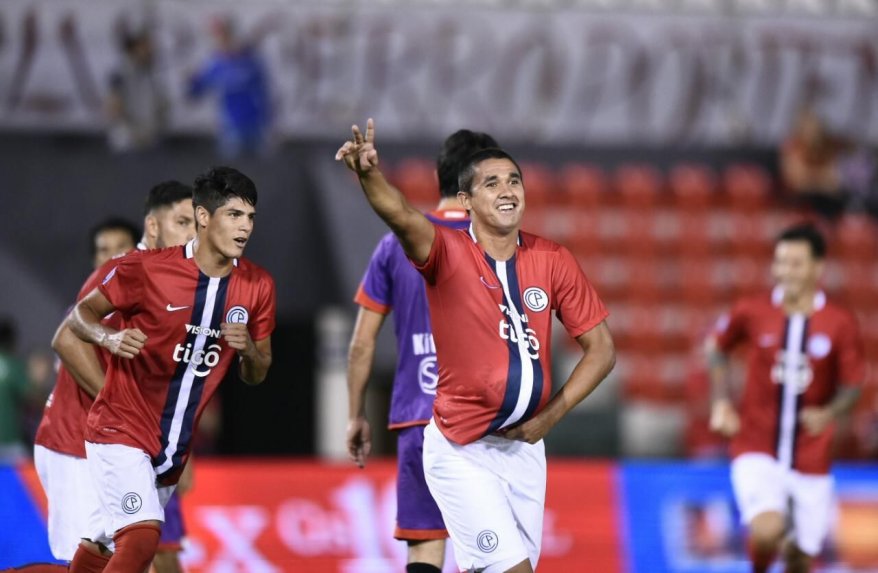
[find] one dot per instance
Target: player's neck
(210, 261)
(801, 304)
(499, 246)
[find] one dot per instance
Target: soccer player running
(391, 283)
(491, 290)
(59, 451)
(187, 313)
(804, 369)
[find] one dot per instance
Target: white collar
(472, 235)
(819, 298)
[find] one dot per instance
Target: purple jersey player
(391, 283)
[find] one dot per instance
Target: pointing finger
(358, 136)
(370, 130)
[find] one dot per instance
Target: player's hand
(815, 419)
(359, 154)
(238, 337)
(359, 438)
(125, 343)
(531, 431)
(724, 419)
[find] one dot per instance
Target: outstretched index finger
(370, 130)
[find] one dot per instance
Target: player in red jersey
(804, 370)
(186, 314)
(491, 291)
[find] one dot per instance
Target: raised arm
(360, 357)
(415, 232)
(598, 360)
(85, 322)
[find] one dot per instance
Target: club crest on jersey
(109, 276)
(536, 299)
(819, 345)
(237, 315)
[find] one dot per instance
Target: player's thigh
(475, 505)
(525, 477)
(126, 487)
(813, 510)
(759, 484)
(71, 499)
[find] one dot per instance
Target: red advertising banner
(269, 516)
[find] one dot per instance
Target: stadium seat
(539, 182)
(582, 185)
(639, 185)
(747, 186)
(416, 178)
(693, 187)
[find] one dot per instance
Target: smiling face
(228, 229)
(795, 268)
(496, 198)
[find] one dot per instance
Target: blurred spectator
(858, 171)
(238, 77)
(13, 395)
(137, 105)
(810, 166)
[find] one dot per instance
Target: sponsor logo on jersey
(422, 343)
(797, 365)
(171, 308)
(536, 299)
(508, 332)
(206, 331)
(487, 541)
(428, 375)
(131, 503)
(237, 315)
(200, 361)
(109, 276)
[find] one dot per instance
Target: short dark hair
(214, 188)
(165, 194)
(807, 233)
(468, 171)
(456, 149)
(113, 224)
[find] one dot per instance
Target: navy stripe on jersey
(177, 380)
(780, 387)
(798, 429)
(792, 368)
(524, 377)
(187, 385)
(188, 427)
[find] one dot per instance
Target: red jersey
(492, 326)
(795, 360)
(153, 401)
(62, 427)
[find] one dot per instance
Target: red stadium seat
(416, 179)
(583, 185)
(857, 238)
(693, 187)
(639, 185)
(539, 183)
(747, 186)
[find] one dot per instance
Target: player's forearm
(414, 231)
(591, 370)
(718, 372)
(253, 367)
(85, 323)
(360, 358)
(844, 401)
(79, 359)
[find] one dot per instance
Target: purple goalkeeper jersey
(392, 283)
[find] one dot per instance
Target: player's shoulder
(838, 311)
(539, 244)
(253, 272)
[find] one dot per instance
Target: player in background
(187, 314)
(491, 291)
(391, 283)
(805, 366)
(59, 450)
(111, 238)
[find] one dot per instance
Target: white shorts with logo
(492, 495)
(125, 483)
(762, 485)
(71, 497)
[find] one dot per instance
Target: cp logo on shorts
(237, 315)
(536, 299)
(487, 541)
(131, 503)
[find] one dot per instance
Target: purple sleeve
(376, 289)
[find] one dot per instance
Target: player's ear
(151, 226)
(465, 200)
(201, 216)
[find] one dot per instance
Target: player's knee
(88, 559)
(767, 531)
(797, 561)
(135, 547)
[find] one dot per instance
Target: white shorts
(125, 483)
(71, 496)
(762, 485)
(492, 495)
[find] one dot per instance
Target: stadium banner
(521, 73)
(267, 516)
(681, 518)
